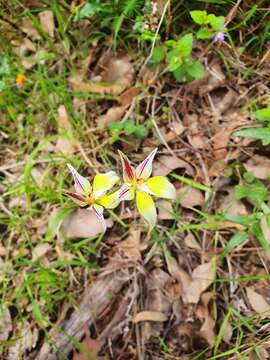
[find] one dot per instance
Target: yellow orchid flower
(93, 196)
(139, 184)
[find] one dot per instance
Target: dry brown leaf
(5, 323)
(220, 143)
(231, 205)
(82, 223)
(77, 84)
(259, 166)
(23, 48)
(159, 295)
(190, 197)
(94, 346)
(202, 278)
(65, 144)
(26, 340)
(29, 29)
(191, 242)
(38, 174)
(127, 96)
(47, 22)
(119, 70)
(179, 274)
(149, 316)
(165, 210)
(40, 250)
(131, 246)
(214, 78)
(198, 141)
(117, 76)
(113, 114)
(176, 129)
(223, 102)
(207, 328)
(258, 303)
(168, 163)
(227, 333)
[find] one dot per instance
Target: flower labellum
(139, 185)
(219, 37)
(94, 195)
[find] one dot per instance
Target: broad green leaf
(141, 132)
(195, 69)
(262, 114)
(129, 127)
(217, 23)
(89, 9)
(256, 133)
(199, 16)
(181, 74)
(236, 240)
(210, 18)
(204, 34)
(184, 45)
(116, 126)
(159, 54)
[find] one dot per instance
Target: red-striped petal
(82, 185)
(144, 170)
(98, 211)
(79, 199)
(128, 171)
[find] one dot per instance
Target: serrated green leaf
(174, 60)
(195, 69)
(204, 34)
(217, 23)
(184, 45)
(199, 16)
(256, 133)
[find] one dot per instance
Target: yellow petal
(144, 170)
(161, 187)
(82, 185)
(104, 182)
(109, 201)
(146, 207)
